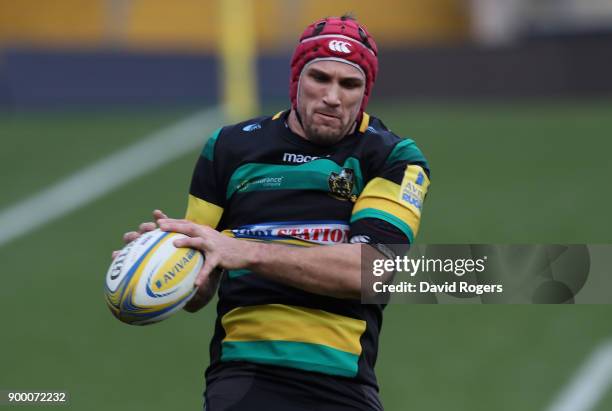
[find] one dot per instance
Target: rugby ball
(151, 279)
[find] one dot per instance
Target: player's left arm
(328, 270)
(388, 211)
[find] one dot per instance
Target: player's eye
(351, 83)
(319, 77)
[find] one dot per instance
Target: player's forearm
(328, 270)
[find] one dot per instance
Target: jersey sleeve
(205, 202)
(388, 211)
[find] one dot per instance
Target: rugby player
(281, 206)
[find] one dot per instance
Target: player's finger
(184, 227)
(145, 227)
(174, 220)
(168, 224)
(130, 236)
(207, 268)
(169, 221)
(158, 214)
(191, 242)
(115, 254)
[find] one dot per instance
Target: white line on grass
(590, 383)
(108, 174)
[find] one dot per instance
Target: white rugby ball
(151, 279)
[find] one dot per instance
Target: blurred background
(75, 52)
(104, 108)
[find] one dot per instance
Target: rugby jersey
(259, 181)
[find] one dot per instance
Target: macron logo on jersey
(298, 158)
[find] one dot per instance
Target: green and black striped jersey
(259, 181)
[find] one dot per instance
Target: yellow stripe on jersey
(279, 322)
(277, 115)
(401, 201)
(365, 121)
(389, 207)
(202, 212)
(381, 187)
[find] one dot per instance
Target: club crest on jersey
(341, 185)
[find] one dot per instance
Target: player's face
(330, 94)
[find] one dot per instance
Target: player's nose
(332, 95)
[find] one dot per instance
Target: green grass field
(501, 173)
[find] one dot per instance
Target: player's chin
(324, 135)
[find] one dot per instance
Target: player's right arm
(206, 196)
(205, 207)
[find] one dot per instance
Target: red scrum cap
(339, 39)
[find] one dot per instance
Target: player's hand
(220, 250)
(205, 293)
(142, 228)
